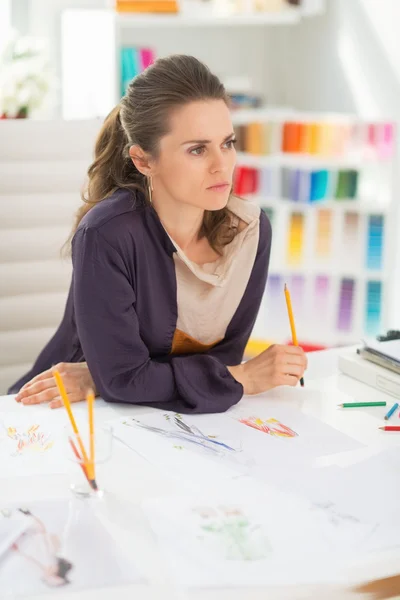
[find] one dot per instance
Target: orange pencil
(67, 404)
(78, 456)
(292, 325)
(90, 401)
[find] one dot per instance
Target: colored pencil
(90, 401)
(78, 456)
(390, 428)
(391, 411)
(356, 404)
(67, 404)
(292, 325)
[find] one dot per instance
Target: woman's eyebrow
(231, 135)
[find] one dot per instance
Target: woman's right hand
(43, 388)
(277, 365)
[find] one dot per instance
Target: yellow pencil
(90, 401)
(67, 404)
(292, 325)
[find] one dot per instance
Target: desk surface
(147, 482)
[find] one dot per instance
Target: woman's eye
(197, 151)
(230, 144)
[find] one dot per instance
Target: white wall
(347, 59)
(5, 20)
(45, 22)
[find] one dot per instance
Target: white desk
(144, 481)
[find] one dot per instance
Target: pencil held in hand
(292, 325)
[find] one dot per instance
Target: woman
(169, 268)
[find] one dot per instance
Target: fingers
(290, 380)
(289, 355)
(40, 377)
(38, 397)
(289, 364)
(293, 350)
(46, 375)
(293, 359)
(57, 402)
(296, 370)
(280, 379)
(27, 385)
(297, 355)
(36, 388)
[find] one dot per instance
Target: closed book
(380, 360)
(373, 375)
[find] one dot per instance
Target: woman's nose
(218, 162)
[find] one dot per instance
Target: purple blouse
(121, 315)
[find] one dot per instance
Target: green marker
(356, 404)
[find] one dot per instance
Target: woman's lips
(219, 187)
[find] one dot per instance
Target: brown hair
(141, 118)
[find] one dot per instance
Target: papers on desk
(263, 514)
(360, 502)
(254, 534)
(33, 439)
(370, 490)
(10, 530)
(63, 545)
(225, 445)
(32, 442)
(231, 540)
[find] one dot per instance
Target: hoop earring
(150, 188)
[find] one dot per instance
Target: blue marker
(391, 411)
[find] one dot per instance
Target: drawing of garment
(39, 548)
(31, 440)
(232, 535)
(271, 426)
(65, 545)
(181, 431)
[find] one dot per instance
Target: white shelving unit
(132, 21)
(227, 36)
(318, 325)
(364, 207)
(299, 162)
(91, 40)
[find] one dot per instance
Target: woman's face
(197, 157)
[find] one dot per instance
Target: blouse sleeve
(119, 360)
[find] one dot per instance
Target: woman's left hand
(43, 388)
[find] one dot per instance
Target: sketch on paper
(30, 440)
(270, 426)
(181, 431)
(333, 515)
(238, 537)
(52, 568)
(345, 530)
(55, 550)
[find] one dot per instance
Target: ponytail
(112, 167)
